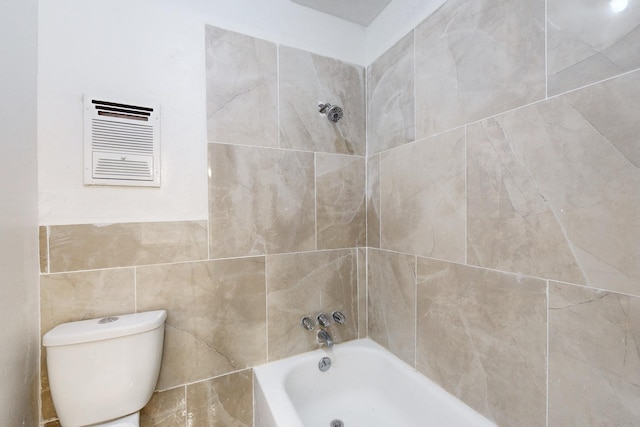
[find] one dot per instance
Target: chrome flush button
(107, 320)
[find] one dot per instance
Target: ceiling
(361, 12)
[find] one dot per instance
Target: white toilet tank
(103, 369)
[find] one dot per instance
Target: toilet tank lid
(104, 328)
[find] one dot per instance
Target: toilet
(103, 371)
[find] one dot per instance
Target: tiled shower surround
(487, 233)
(504, 239)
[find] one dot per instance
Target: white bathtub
(366, 386)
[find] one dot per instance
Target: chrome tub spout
(325, 338)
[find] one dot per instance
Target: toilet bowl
(103, 371)
(132, 420)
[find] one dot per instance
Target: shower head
(333, 112)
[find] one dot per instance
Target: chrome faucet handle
(323, 320)
(339, 317)
(307, 323)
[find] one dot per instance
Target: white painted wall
(149, 50)
(19, 337)
(154, 50)
(120, 50)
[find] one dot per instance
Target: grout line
(113, 268)
(315, 196)
(198, 261)
(466, 199)
(266, 307)
(609, 291)
(295, 150)
(379, 200)
(186, 405)
(546, 50)
(425, 138)
(237, 371)
(415, 90)
(278, 143)
(415, 313)
(366, 202)
(366, 111)
(547, 355)
(366, 156)
(595, 83)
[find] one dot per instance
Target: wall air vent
(121, 144)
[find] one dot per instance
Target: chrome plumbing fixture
(336, 423)
(324, 364)
(307, 323)
(338, 317)
(323, 320)
(333, 112)
(325, 338)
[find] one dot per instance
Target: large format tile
(476, 58)
(260, 201)
(482, 335)
(588, 42)
(43, 248)
(306, 284)
(594, 360)
(554, 188)
(216, 319)
(242, 96)
(222, 401)
(391, 302)
(93, 246)
(340, 201)
(511, 226)
(307, 79)
(423, 197)
(165, 409)
(69, 297)
(390, 100)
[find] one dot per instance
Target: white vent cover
(121, 144)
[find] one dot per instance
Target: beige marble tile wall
(390, 89)
(284, 238)
(504, 237)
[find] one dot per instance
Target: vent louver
(122, 144)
